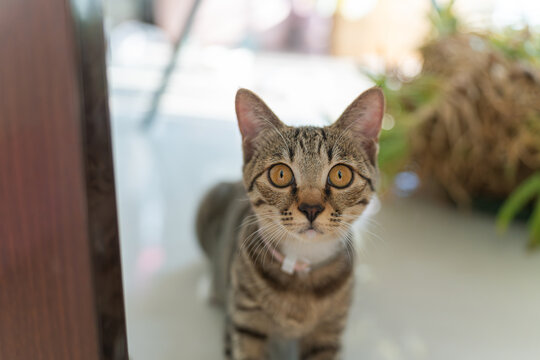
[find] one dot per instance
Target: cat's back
(220, 213)
(218, 223)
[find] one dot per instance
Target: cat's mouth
(311, 230)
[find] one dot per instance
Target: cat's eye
(280, 175)
(340, 176)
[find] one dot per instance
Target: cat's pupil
(281, 174)
(339, 174)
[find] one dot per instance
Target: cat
(279, 242)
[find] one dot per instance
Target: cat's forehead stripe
(310, 139)
(330, 153)
(323, 133)
(291, 152)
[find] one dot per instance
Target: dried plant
(470, 122)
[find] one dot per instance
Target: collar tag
(288, 265)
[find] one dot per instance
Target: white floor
(433, 283)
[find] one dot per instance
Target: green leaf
(521, 196)
(534, 225)
(443, 18)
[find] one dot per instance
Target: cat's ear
(254, 116)
(363, 119)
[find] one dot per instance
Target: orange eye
(340, 176)
(280, 175)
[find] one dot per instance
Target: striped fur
(236, 221)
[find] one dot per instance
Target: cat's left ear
(254, 117)
(363, 119)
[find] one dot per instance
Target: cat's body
(279, 243)
(255, 292)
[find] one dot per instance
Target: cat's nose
(311, 211)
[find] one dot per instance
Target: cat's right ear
(254, 116)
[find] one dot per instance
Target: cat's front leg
(248, 326)
(323, 343)
(244, 340)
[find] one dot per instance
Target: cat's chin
(311, 233)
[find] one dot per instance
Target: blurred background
(447, 262)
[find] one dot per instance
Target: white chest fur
(311, 252)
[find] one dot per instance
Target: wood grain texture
(60, 278)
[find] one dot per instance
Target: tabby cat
(280, 241)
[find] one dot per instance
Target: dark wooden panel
(102, 210)
(60, 279)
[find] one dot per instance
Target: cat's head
(310, 182)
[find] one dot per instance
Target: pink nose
(311, 211)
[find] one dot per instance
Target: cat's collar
(289, 264)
